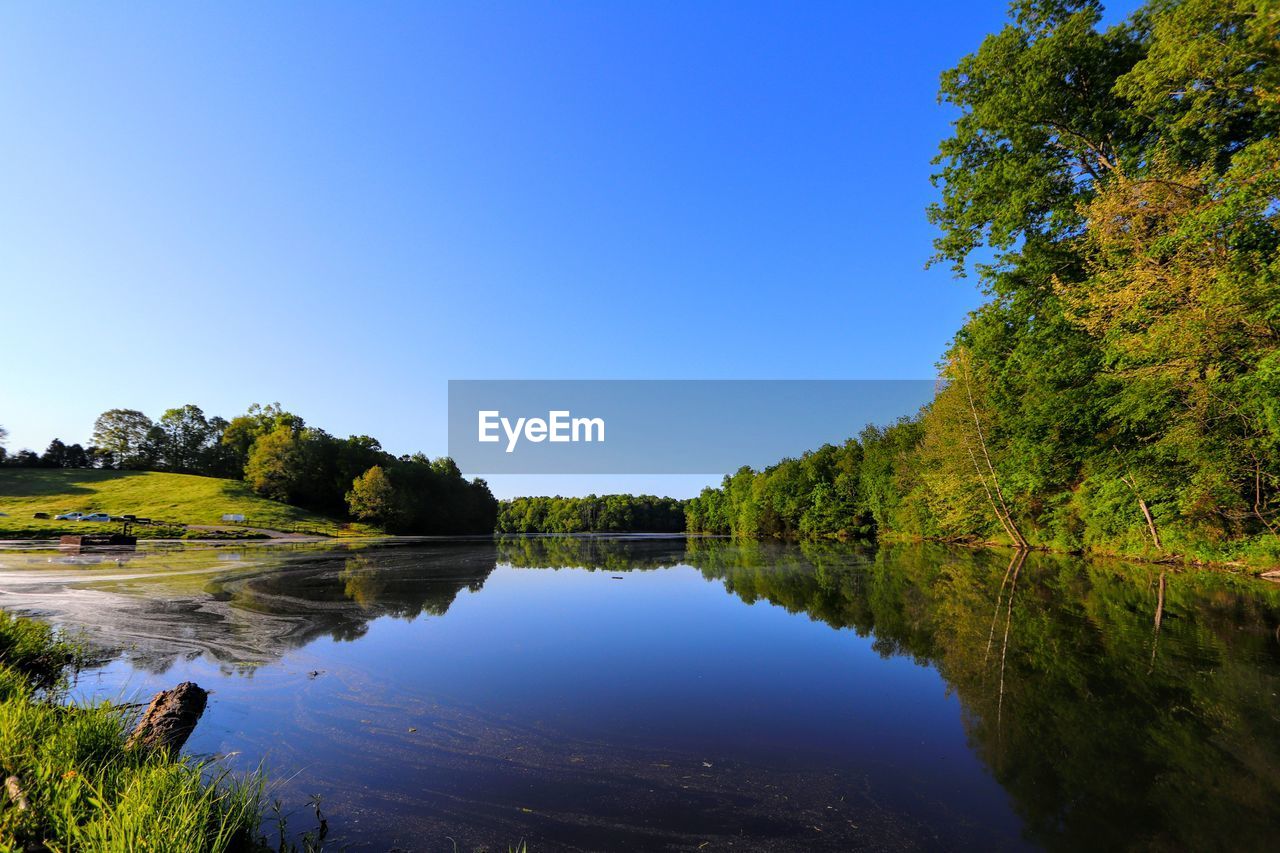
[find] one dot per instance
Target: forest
(1116, 192)
(591, 514)
(284, 459)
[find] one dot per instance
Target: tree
(59, 455)
(122, 433)
(274, 468)
(1125, 181)
(1040, 124)
(25, 459)
(372, 497)
(241, 432)
(55, 456)
(184, 438)
(77, 457)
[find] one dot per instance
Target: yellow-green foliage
(182, 498)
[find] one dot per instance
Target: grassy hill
(177, 498)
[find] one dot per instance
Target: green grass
(82, 788)
(178, 498)
(30, 654)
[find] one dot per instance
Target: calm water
(652, 694)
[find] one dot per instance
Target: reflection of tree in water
(1120, 706)
(282, 599)
(403, 591)
(338, 594)
(612, 554)
(291, 596)
(1103, 739)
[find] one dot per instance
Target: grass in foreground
(180, 498)
(71, 783)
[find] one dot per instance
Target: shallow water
(647, 693)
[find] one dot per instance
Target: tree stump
(170, 718)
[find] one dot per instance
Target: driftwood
(170, 718)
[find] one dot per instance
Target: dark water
(653, 694)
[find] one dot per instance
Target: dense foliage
(282, 458)
(1120, 390)
(819, 494)
(592, 514)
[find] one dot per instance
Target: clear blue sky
(341, 206)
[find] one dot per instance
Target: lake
(653, 693)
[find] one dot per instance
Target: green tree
(241, 432)
(55, 455)
(274, 469)
(184, 438)
(122, 433)
(372, 497)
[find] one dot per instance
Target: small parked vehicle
(96, 516)
(69, 516)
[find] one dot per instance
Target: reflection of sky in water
(444, 690)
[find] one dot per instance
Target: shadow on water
(1119, 706)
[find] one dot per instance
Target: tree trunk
(1006, 517)
(1257, 496)
(170, 718)
(995, 508)
(1151, 524)
(1146, 511)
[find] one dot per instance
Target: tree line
(1120, 390)
(591, 514)
(284, 459)
(822, 494)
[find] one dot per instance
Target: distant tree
(123, 435)
(76, 457)
(274, 469)
(241, 432)
(603, 513)
(59, 455)
(372, 496)
(283, 459)
(55, 455)
(183, 437)
(216, 458)
(25, 459)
